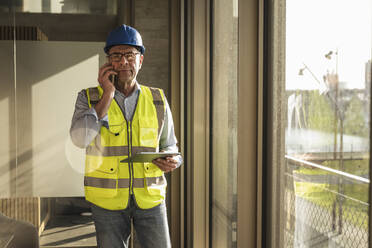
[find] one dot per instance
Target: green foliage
(321, 116)
(354, 123)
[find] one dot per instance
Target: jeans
(113, 227)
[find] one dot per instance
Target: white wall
(48, 77)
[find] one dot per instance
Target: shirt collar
(137, 88)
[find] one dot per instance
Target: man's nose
(124, 60)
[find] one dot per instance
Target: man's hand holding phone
(108, 87)
(104, 74)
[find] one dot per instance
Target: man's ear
(141, 61)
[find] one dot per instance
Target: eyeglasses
(116, 57)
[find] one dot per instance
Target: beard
(125, 83)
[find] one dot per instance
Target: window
(224, 124)
(320, 134)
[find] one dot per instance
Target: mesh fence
(324, 217)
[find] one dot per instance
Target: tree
(320, 113)
(355, 123)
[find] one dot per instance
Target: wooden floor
(69, 231)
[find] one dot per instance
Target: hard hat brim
(107, 48)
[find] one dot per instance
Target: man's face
(126, 60)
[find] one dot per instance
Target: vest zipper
(130, 144)
(130, 165)
(129, 132)
(129, 140)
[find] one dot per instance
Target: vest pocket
(111, 137)
(102, 179)
(116, 128)
(96, 193)
(152, 170)
(148, 132)
(99, 164)
(155, 182)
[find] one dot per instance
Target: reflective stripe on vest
(107, 151)
(154, 181)
(159, 105)
(138, 149)
(106, 183)
(109, 183)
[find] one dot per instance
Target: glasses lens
(116, 57)
(130, 56)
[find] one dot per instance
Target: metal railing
(318, 213)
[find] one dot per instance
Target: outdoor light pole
(335, 87)
(333, 80)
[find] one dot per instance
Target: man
(115, 120)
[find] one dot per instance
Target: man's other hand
(166, 164)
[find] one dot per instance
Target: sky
(315, 27)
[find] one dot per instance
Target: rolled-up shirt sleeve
(85, 124)
(168, 140)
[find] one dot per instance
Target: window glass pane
(224, 123)
(55, 20)
(7, 115)
(41, 171)
(107, 7)
(325, 174)
(45, 105)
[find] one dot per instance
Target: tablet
(148, 157)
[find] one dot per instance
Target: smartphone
(113, 79)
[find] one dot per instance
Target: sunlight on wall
(4, 148)
(54, 157)
(32, 6)
(49, 77)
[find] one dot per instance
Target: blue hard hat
(124, 35)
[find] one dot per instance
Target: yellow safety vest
(108, 183)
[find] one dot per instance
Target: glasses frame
(128, 56)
